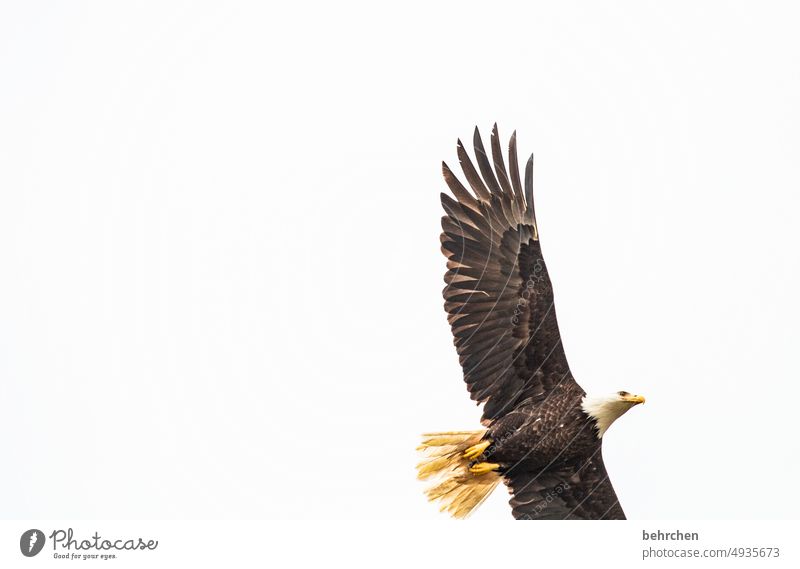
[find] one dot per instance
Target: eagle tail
(462, 482)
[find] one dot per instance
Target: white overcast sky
(220, 277)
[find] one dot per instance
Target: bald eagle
(543, 435)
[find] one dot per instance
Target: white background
(220, 277)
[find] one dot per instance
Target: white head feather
(605, 409)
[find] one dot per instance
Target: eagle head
(606, 409)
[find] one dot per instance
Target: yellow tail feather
(446, 459)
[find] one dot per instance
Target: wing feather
(530, 213)
(578, 490)
(514, 168)
(484, 164)
(499, 164)
(471, 174)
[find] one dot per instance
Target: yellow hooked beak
(635, 399)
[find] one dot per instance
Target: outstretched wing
(579, 490)
(498, 297)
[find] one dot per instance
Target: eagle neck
(603, 411)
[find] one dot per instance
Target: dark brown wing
(579, 490)
(498, 296)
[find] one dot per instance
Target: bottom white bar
(377, 543)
